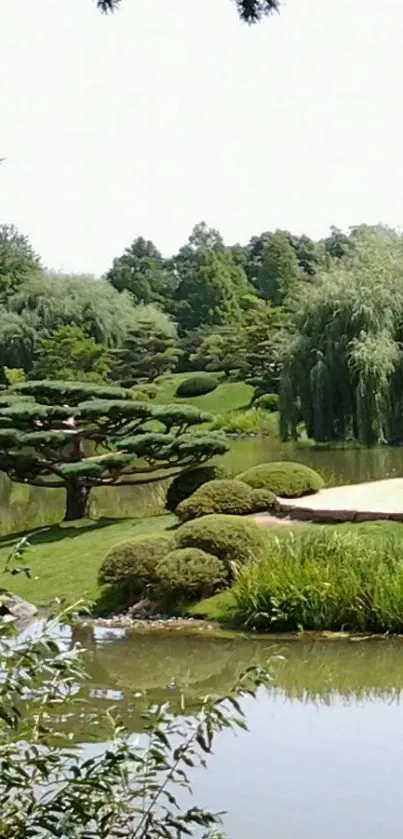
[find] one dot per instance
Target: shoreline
(194, 626)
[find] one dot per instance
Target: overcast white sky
(172, 111)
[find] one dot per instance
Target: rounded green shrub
(191, 573)
(267, 402)
(143, 392)
(131, 566)
(231, 497)
(286, 479)
(264, 501)
(197, 385)
(229, 538)
(188, 481)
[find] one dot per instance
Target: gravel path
(266, 520)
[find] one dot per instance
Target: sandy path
(378, 499)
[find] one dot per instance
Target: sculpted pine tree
(150, 348)
(78, 436)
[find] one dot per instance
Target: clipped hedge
(264, 501)
(231, 497)
(191, 573)
(197, 385)
(267, 402)
(229, 538)
(131, 566)
(188, 481)
(286, 479)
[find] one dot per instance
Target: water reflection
(167, 665)
(25, 507)
(322, 756)
(351, 465)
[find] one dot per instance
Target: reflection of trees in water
(165, 665)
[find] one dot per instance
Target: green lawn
(64, 559)
(228, 396)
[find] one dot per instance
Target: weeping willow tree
(343, 371)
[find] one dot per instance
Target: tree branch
(37, 482)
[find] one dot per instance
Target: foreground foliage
(49, 787)
(323, 579)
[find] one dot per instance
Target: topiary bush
(142, 392)
(224, 496)
(267, 402)
(197, 385)
(130, 567)
(264, 501)
(188, 481)
(286, 479)
(229, 538)
(191, 573)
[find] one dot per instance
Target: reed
(324, 579)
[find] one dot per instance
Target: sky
(171, 112)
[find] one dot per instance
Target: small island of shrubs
(216, 537)
(219, 564)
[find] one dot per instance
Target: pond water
(324, 749)
(350, 465)
(23, 507)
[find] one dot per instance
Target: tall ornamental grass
(323, 580)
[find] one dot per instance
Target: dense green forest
(317, 322)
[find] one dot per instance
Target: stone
(367, 515)
(20, 609)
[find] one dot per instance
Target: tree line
(318, 322)
(209, 306)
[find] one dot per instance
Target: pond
(323, 753)
(352, 466)
(23, 507)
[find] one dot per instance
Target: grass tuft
(324, 579)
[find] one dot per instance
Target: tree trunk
(77, 501)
